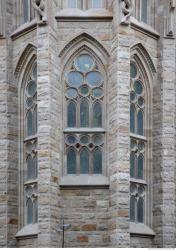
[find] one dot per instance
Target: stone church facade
(87, 121)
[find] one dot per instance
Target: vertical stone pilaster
(119, 134)
(164, 147)
(48, 138)
(168, 143)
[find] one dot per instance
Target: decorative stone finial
(127, 10)
(39, 6)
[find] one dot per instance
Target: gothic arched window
(30, 146)
(84, 123)
(138, 145)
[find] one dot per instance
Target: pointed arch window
(84, 127)
(30, 146)
(138, 145)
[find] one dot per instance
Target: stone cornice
(24, 29)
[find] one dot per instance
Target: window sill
(28, 231)
(144, 28)
(84, 180)
(79, 15)
(24, 28)
(141, 229)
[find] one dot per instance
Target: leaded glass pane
(75, 79)
(97, 92)
(140, 166)
(71, 115)
(31, 88)
(140, 123)
(35, 120)
(35, 167)
(97, 161)
(71, 161)
(132, 118)
(140, 210)
(94, 78)
(133, 70)
(84, 161)
(84, 139)
(132, 164)
(34, 73)
(97, 115)
(29, 211)
(72, 3)
(84, 114)
(144, 11)
(29, 123)
(132, 208)
(29, 167)
(138, 87)
(72, 93)
(26, 10)
(35, 211)
(96, 3)
(84, 63)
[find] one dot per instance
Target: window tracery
(84, 98)
(30, 146)
(137, 146)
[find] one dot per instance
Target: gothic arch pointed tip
(141, 51)
(83, 41)
(25, 54)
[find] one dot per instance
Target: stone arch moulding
(139, 51)
(84, 41)
(24, 59)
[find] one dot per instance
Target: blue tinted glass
(84, 63)
(84, 161)
(140, 123)
(35, 211)
(25, 11)
(35, 120)
(132, 118)
(71, 161)
(140, 166)
(132, 208)
(144, 11)
(97, 92)
(94, 78)
(97, 115)
(35, 167)
(29, 211)
(96, 3)
(138, 87)
(71, 115)
(140, 211)
(31, 88)
(84, 114)
(72, 93)
(75, 78)
(97, 161)
(29, 123)
(29, 168)
(35, 72)
(132, 164)
(133, 70)
(72, 3)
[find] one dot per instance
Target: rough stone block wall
(87, 212)
(141, 242)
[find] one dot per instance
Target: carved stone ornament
(40, 7)
(127, 10)
(171, 19)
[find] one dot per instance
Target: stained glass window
(84, 97)
(137, 145)
(30, 146)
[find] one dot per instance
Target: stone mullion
(168, 143)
